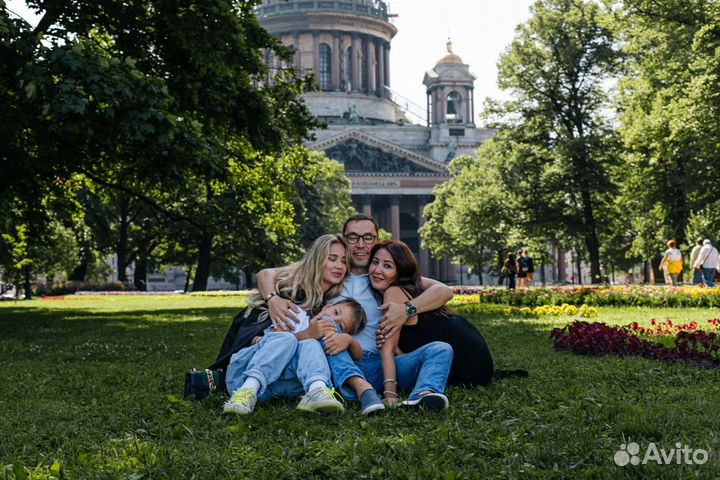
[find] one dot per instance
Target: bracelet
(390, 380)
(388, 392)
(272, 294)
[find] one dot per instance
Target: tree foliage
(561, 153)
(168, 115)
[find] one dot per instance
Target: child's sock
(317, 384)
(251, 383)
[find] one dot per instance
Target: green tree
(558, 68)
(470, 218)
(165, 103)
(670, 104)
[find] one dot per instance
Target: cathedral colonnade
(402, 216)
(345, 43)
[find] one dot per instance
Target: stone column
(387, 63)
(372, 65)
(366, 201)
(443, 105)
(424, 255)
(472, 106)
(316, 56)
(381, 68)
(395, 216)
(336, 59)
(341, 56)
(296, 57)
(438, 92)
(356, 52)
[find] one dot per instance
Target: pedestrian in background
(521, 270)
(509, 269)
(672, 262)
(531, 268)
(697, 277)
(708, 262)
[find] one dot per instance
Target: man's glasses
(354, 238)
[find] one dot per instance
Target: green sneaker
(322, 399)
(242, 402)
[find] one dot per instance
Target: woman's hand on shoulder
(394, 313)
(281, 313)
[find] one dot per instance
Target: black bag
(200, 384)
(245, 326)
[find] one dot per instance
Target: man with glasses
(428, 366)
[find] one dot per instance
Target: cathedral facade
(393, 154)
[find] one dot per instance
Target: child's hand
(336, 342)
(319, 328)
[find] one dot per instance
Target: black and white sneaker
(431, 401)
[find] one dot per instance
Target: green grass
(91, 386)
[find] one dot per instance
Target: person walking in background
(531, 268)
(521, 270)
(672, 262)
(697, 277)
(708, 262)
(510, 269)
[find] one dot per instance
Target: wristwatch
(272, 294)
(410, 309)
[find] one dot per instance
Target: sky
(480, 30)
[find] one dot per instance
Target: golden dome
(450, 57)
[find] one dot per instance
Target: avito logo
(680, 454)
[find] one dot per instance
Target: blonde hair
(306, 275)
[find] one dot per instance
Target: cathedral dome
(450, 58)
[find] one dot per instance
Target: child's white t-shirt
(303, 324)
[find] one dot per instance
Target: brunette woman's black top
(472, 361)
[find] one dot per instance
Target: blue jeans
(283, 366)
(426, 368)
(697, 278)
(708, 275)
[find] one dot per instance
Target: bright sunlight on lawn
(93, 385)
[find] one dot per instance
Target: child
(283, 364)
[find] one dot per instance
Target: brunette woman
(395, 277)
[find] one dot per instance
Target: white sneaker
(242, 402)
(321, 399)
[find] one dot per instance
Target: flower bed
(595, 339)
(632, 295)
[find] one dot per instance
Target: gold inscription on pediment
(375, 183)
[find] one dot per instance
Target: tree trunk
(578, 265)
(80, 270)
(186, 288)
(140, 274)
(592, 243)
(542, 269)
(248, 279)
(480, 266)
(501, 261)
(27, 287)
(202, 273)
(122, 245)
(657, 273)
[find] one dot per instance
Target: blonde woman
(265, 362)
(672, 262)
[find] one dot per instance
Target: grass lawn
(91, 389)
